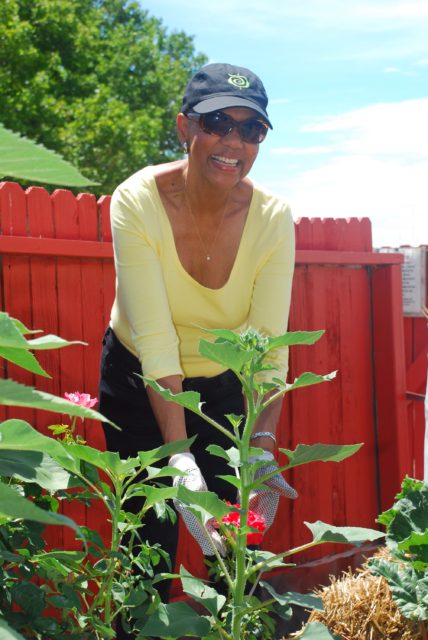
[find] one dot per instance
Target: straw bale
(359, 606)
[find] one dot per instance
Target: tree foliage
(99, 81)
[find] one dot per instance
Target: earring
(185, 147)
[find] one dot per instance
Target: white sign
(414, 280)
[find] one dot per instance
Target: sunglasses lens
(217, 123)
(253, 131)
(220, 124)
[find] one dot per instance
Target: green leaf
(71, 558)
(204, 504)
(23, 359)
(188, 399)
(294, 338)
(407, 524)
(148, 458)
(201, 592)
(25, 160)
(305, 453)
(14, 347)
(270, 559)
(50, 341)
(224, 334)
(34, 466)
(416, 546)
(231, 356)
(101, 459)
(7, 633)
(409, 588)
(233, 480)
(234, 420)
(15, 394)
(317, 631)
(15, 506)
(231, 455)
(155, 494)
(409, 485)
(18, 435)
(307, 379)
(154, 473)
(357, 536)
(175, 620)
(21, 326)
(307, 600)
(10, 334)
(29, 597)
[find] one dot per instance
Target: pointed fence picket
(57, 275)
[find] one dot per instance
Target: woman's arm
(169, 415)
(269, 312)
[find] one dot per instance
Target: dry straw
(359, 606)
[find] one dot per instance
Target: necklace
(207, 250)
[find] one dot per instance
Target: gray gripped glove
(265, 501)
(194, 481)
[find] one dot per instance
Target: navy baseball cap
(218, 86)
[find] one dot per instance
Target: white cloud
(385, 128)
(392, 195)
(301, 151)
(379, 170)
(379, 14)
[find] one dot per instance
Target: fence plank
(108, 277)
(390, 383)
(70, 322)
(44, 304)
(16, 288)
(92, 300)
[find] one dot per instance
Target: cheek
(253, 152)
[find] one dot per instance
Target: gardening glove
(195, 482)
(265, 501)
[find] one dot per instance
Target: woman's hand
(264, 500)
(206, 535)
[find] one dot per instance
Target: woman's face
(224, 161)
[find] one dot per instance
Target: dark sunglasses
(218, 123)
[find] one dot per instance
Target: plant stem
(241, 539)
(261, 566)
(423, 630)
(103, 600)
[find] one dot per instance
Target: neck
(204, 199)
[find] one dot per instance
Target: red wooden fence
(416, 342)
(57, 275)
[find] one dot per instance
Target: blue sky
(348, 98)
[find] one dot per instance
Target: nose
(233, 138)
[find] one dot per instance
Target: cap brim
(223, 102)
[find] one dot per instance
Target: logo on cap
(241, 82)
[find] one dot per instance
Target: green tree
(99, 81)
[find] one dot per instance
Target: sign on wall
(414, 279)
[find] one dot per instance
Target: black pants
(123, 399)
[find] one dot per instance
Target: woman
(196, 244)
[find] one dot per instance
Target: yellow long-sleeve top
(159, 308)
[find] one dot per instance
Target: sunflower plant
(232, 603)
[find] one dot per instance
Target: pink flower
(84, 399)
(255, 521)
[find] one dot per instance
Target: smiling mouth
(229, 162)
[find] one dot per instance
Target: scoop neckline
(177, 257)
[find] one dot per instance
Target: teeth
(228, 161)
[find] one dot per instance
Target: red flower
(84, 399)
(255, 521)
